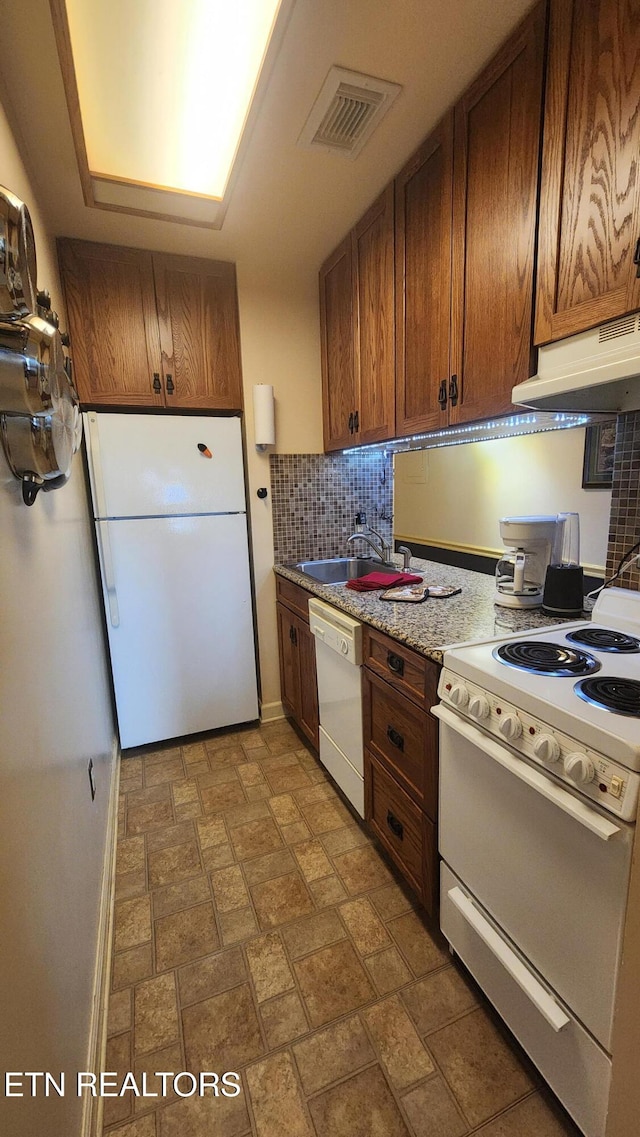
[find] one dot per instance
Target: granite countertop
(432, 626)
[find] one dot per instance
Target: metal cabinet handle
(170, 385)
(636, 258)
(395, 739)
(157, 386)
(453, 390)
(395, 663)
(396, 827)
(442, 394)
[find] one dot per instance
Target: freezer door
(178, 611)
(159, 465)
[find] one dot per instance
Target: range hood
(595, 371)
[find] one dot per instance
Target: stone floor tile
(432, 1111)
(420, 948)
(268, 965)
(154, 815)
(222, 741)
(131, 922)
(283, 1020)
(175, 897)
(198, 769)
(170, 835)
(388, 970)
(328, 890)
(287, 778)
(284, 809)
(313, 932)
(217, 857)
(401, 1052)
(359, 1107)
(311, 794)
(484, 1074)
(260, 792)
(237, 926)
(227, 756)
(206, 977)
(250, 774)
(188, 811)
(155, 1014)
(293, 834)
(362, 869)
(251, 738)
(531, 1118)
(215, 799)
(391, 900)
(340, 840)
(283, 743)
(119, 1017)
(332, 1053)
(184, 791)
(222, 1033)
(205, 1117)
(279, 761)
(194, 752)
(264, 868)
(364, 926)
(131, 966)
(280, 900)
(247, 811)
(129, 884)
(255, 838)
(435, 1000)
(211, 831)
(333, 982)
(178, 862)
(168, 1059)
(167, 771)
(162, 754)
(130, 855)
(144, 1126)
(118, 1061)
(185, 936)
(313, 860)
(324, 816)
(216, 777)
(278, 1107)
(229, 889)
(149, 796)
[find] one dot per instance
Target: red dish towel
(374, 580)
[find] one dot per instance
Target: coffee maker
(521, 572)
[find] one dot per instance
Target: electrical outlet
(92, 780)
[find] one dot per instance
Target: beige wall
(55, 715)
(455, 495)
(280, 345)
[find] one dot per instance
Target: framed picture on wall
(599, 445)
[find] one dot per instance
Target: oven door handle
(527, 982)
(565, 801)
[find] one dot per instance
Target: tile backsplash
(624, 526)
(315, 498)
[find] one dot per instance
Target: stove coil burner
(545, 658)
(611, 693)
(605, 639)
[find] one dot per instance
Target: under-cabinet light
(508, 427)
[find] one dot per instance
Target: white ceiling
(290, 206)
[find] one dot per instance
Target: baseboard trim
(269, 712)
(93, 1107)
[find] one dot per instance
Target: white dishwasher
(338, 659)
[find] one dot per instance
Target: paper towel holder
(264, 416)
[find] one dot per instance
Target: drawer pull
(394, 738)
(396, 827)
(395, 663)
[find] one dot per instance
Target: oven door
(549, 869)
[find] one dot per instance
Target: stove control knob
(547, 748)
(479, 707)
(459, 695)
(579, 768)
(510, 727)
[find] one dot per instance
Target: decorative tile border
(315, 498)
(624, 526)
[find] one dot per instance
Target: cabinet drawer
(293, 596)
(407, 671)
(404, 739)
(396, 820)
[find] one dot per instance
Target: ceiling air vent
(347, 111)
(616, 328)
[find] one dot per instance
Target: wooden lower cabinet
(298, 680)
(401, 759)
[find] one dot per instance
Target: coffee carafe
(520, 573)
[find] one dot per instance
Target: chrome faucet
(383, 550)
(407, 554)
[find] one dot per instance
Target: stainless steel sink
(338, 570)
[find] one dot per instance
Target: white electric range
(539, 780)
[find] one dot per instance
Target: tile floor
(258, 929)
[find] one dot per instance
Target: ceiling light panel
(165, 86)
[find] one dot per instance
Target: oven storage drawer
(570, 1060)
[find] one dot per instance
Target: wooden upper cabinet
(373, 244)
(199, 336)
(423, 281)
(495, 194)
(590, 197)
(338, 347)
(151, 330)
(112, 322)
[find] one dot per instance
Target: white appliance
(539, 780)
(598, 370)
(170, 515)
(338, 661)
(520, 573)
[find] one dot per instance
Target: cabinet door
(112, 322)
(199, 335)
(423, 281)
(309, 717)
(375, 333)
(289, 666)
(497, 141)
(590, 193)
(337, 347)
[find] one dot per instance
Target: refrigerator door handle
(106, 564)
(95, 466)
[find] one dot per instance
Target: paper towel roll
(263, 414)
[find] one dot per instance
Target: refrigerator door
(178, 610)
(163, 465)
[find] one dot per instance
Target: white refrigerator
(170, 514)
